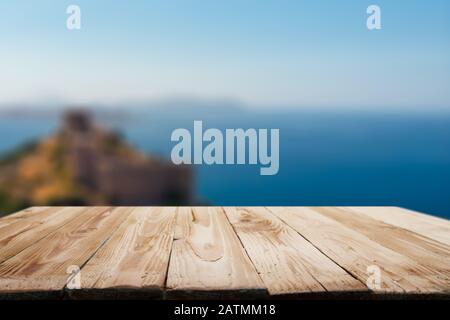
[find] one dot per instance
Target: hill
(84, 164)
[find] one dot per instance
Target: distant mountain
(179, 105)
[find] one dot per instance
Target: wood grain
(27, 230)
(25, 217)
(427, 252)
(136, 257)
(44, 266)
(213, 252)
(24, 214)
(287, 263)
(355, 252)
(423, 224)
(208, 259)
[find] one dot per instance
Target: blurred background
(86, 115)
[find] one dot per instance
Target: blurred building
(103, 164)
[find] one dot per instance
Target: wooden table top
(223, 252)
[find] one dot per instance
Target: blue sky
(293, 54)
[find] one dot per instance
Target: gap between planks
(355, 251)
(133, 261)
(42, 267)
(208, 260)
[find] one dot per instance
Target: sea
(326, 158)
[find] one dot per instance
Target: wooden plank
(426, 225)
(207, 258)
(356, 253)
(23, 214)
(24, 232)
(24, 217)
(44, 266)
(221, 252)
(134, 261)
(287, 263)
(429, 253)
